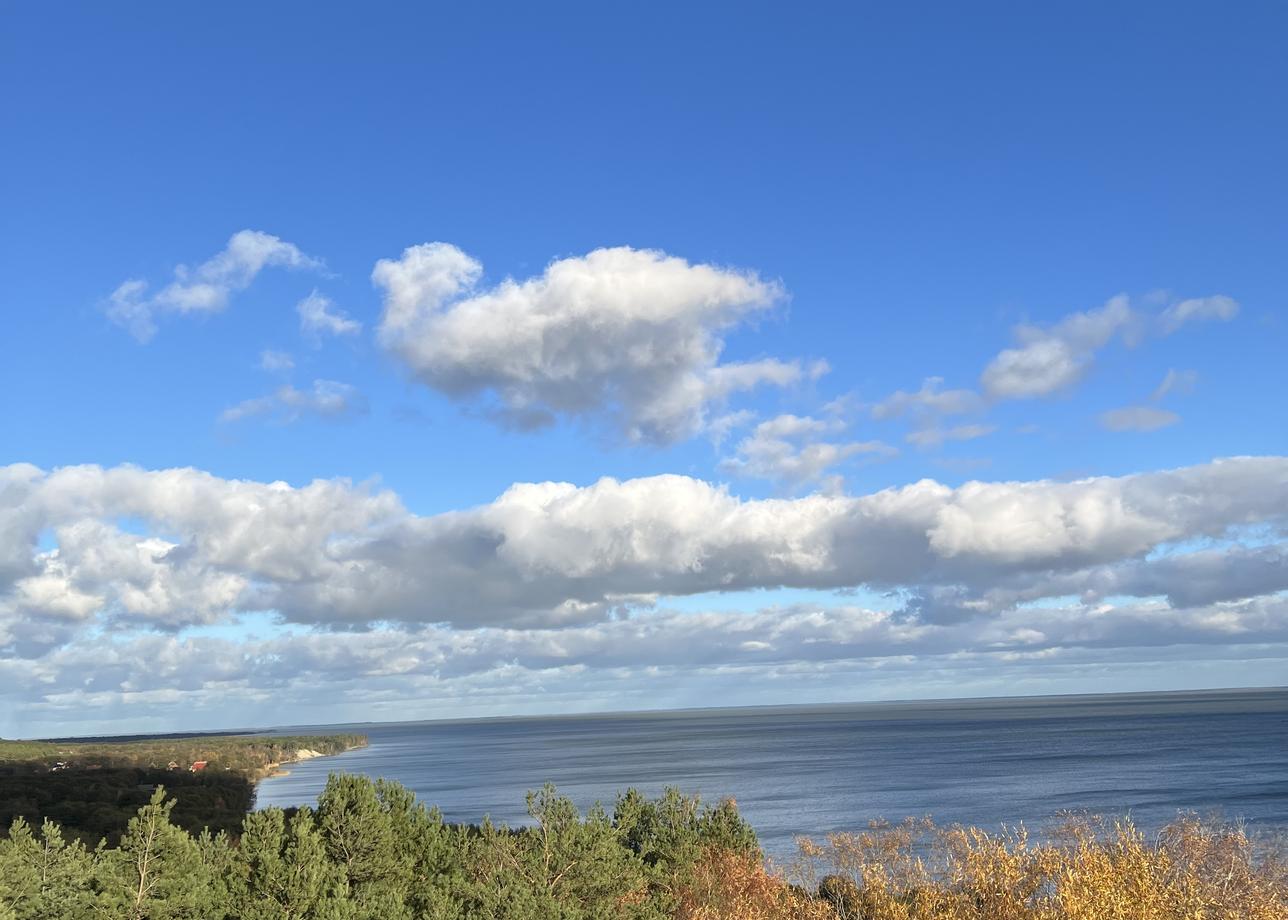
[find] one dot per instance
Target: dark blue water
(815, 769)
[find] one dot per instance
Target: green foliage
(252, 755)
(281, 871)
(92, 789)
(158, 872)
(565, 866)
(370, 851)
(95, 804)
(674, 833)
(44, 877)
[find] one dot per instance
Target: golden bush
(1087, 870)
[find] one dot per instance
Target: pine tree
(43, 877)
(283, 872)
(158, 872)
(358, 834)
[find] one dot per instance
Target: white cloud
(390, 665)
(206, 288)
(929, 402)
(720, 428)
(1174, 381)
(788, 449)
(1138, 418)
(935, 436)
(1048, 360)
(633, 337)
(1197, 309)
(319, 316)
(553, 554)
(328, 399)
(274, 361)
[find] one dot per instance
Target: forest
(371, 851)
(253, 755)
(92, 789)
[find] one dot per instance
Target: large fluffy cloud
(631, 336)
(179, 547)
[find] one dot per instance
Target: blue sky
(1071, 217)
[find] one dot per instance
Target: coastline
(272, 770)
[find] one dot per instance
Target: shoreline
(276, 770)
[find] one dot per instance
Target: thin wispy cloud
(275, 361)
(328, 399)
(208, 287)
(1138, 418)
(319, 316)
(1198, 309)
(1047, 360)
(796, 450)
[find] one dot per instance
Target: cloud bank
(549, 554)
(553, 584)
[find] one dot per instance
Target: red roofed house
(197, 765)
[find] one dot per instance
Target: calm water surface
(814, 769)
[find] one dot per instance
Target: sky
(410, 361)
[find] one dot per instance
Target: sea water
(814, 769)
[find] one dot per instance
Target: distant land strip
(92, 787)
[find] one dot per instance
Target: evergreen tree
(429, 851)
(43, 877)
(283, 872)
(158, 872)
(358, 833)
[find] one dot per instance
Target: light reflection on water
(815, 769)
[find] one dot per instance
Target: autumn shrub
(1085, 870)
(728, 885)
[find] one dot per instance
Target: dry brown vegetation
(1086, 870)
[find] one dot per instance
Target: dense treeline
(253, 755)
(369, 851)
(92, 805)
(92, 789)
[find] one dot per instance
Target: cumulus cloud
(319, 316)
(548, 555)
(328, 399)
(631, 337)
(1214, 575)
(207, 287)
